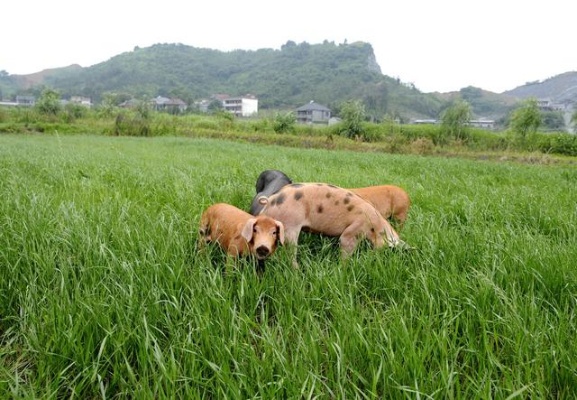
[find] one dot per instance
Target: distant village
(247, 106)
(239, 106)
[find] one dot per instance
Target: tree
(455, 120)
(215, 106)
(552, 120)
(574, 121)
(352, 114)
(108, 105)
(526, 119)
(49, 102)
(471, 93)
(288, 45)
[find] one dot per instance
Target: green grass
(105, 295)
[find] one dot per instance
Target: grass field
(104, 294)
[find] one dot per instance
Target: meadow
(105, 294)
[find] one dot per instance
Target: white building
(244, 106)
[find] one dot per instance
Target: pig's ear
(280, 230)
(247, 229)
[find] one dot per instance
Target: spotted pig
(391, 201)
(329, 210)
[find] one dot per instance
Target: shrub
(371, 132)
(560, 144)
(126, 124)
(284, 123)
(74, 111)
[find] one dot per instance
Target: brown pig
(239, 233)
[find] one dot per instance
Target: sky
(438, 46)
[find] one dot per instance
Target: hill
(559, 89)
(281, 79)
(483, 103)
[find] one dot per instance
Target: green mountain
(281, 79)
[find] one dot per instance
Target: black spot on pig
(277, 201)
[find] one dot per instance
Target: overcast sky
(441, 45)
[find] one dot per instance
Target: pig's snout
(262, 251)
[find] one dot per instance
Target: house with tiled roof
(161, 103)
(313, 113)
